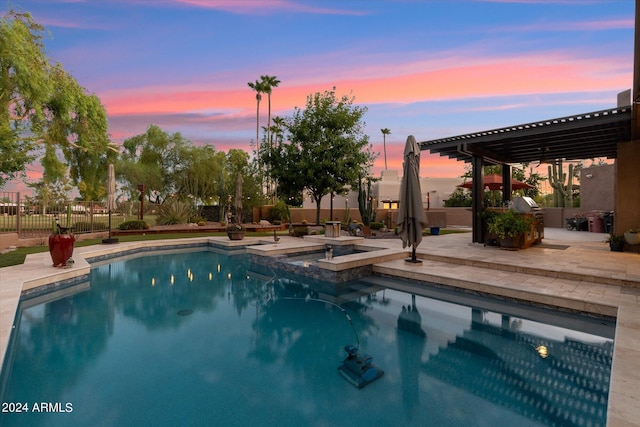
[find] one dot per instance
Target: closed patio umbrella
(411, 217)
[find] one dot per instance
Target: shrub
(509, 224)
(300, 231)
(201, 223)
(278, 212)
(134, 225)
(376, 225)
(174, 212)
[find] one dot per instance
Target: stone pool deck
(574, 270)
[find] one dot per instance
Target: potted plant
(486, 217)
(61, 242)
(235, 232)
(510, 228)
(632, 236)
(616, 242)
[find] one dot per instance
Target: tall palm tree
(385, 132)
(259, 89)
(268, 83)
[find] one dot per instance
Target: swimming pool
(201, 338)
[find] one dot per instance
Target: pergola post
(506, 184)
(477, 198)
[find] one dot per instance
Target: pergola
(581, 136)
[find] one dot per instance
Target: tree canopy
(44, 111)
(326, 151)
(170, 166)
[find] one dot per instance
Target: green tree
(42, 106)
(197, 175)
(327, 150)
(459, 198)
(154, 159)
(47, 193)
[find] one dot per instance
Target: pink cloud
(229, 113)
(251, 7)
(265, 7)
(532, 74)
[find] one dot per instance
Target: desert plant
(174, 212)
(347, 213)
(232, 228)
(562, 192)
(366, 203)
(56, 228)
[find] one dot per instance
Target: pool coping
(578, 293)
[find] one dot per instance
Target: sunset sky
(426, 68)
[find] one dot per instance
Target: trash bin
(596, 224)
(608, 222)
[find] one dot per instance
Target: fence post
(18, 215)
(90, 215)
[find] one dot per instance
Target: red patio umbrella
(494, 182)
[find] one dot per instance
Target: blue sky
(426, 68)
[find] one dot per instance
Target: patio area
(573, 270)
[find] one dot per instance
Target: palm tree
(259, 89)
(267, 83)
(385, 132)
(278, 128)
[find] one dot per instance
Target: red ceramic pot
(61, 248)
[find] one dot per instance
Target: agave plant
(174, 212)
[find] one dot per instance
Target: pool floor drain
(185, 312)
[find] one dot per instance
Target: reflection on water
(201, 336)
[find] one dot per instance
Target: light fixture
(542, 351)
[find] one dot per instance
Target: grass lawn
(17, 257)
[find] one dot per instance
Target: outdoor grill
(527, 206)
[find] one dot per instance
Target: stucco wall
(627, 208)
(597, 188)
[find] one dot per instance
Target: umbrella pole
(110, 239)
(413, 260)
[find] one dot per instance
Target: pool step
(547, 291)
(589, 275)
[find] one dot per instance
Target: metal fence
(18, 215)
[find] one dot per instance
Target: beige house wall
(597, 188)
(627, 208)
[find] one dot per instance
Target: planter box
(235, 235)
(512, 243)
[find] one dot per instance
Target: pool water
(199, 338)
